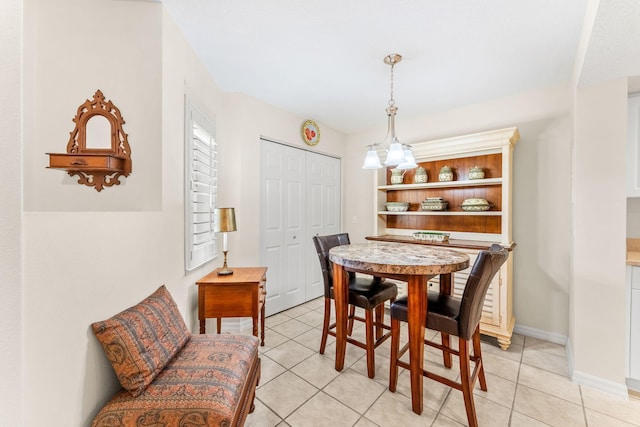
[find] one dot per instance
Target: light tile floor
(528, 385)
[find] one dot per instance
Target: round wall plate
(310, 132)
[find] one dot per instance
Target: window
(200, 188)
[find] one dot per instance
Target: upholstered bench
(172, 378)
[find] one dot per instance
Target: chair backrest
(323, 244)
(487, 264)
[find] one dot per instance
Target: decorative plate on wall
(310, 132)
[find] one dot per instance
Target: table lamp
(225, 221)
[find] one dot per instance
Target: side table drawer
(262, 291)
(229, 301)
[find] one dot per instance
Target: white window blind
(200, 188)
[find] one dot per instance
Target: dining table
(414, 264)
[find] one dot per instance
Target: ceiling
(324, 59)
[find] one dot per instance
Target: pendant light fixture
(398, 154)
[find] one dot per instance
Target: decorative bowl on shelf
(475, 205)
(397, 206)
(431, 236)
(434, 205)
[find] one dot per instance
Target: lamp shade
(409, 162)
(395, 156)
(225, 220)
(372, 161)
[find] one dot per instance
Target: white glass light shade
(395, 156)
(410, 161)
(372, 161)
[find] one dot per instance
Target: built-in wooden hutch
(468, 232)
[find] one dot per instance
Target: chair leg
(325, 324)
(467, 386)
(379, 320)
(446, 355)
(371, 365)
(395, 347)
(477, 354)
(352, 313)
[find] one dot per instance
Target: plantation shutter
(200, 188)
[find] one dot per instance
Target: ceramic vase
(446, 174)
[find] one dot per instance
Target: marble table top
(399, 258)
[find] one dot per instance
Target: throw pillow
(140, 341)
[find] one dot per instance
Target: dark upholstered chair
(454, 316)
(366, 293)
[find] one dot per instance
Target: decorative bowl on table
(431, 236)
(475, 205)
(397, 206)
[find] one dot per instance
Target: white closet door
(323, 212)
(283, 225)
(299, 198)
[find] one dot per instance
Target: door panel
(323, 213)
(299, 197)
(295, 226)
(272, 223)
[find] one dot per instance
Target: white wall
(598, 271)
(541, 198)
(95, 45)
(89, 255)
(242, 123)
(10, 213)
(84, 261)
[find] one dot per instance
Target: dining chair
(368, 293)
(453, 316)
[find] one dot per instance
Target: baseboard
(577, 377)
(634, 387)
(617, 389)
(594, 382)
(540, 334)
(569, 351)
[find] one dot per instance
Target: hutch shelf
(470, 232)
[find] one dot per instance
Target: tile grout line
(515, 391)
(293, 373)
(290, 370)
(584, 409)
(439, 413)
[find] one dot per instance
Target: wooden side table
(241, 294)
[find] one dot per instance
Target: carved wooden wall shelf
(97, 163)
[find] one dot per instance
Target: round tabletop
(398, 258)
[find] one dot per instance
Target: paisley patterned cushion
(140, 341)
(201, 386)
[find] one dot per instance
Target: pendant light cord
(391, 100)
